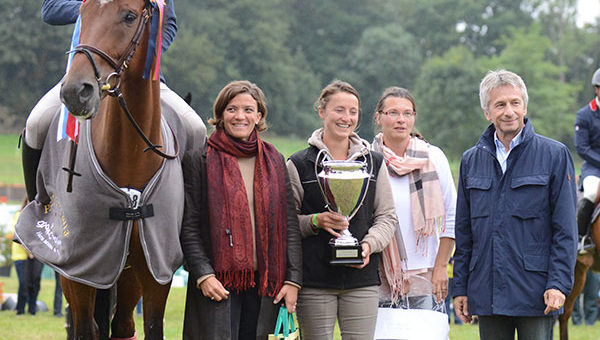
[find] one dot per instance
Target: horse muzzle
(82, 98)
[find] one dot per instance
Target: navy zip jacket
(65, 12)
(587, 138)
(516, 234)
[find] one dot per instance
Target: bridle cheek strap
(118, 65)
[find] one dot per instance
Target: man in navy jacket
(516, 235)
(587, 145)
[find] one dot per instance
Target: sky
(587, 11)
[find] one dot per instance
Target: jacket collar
(357, 147)
(486, 141)
(594, 104)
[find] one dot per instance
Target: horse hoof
(134, 337)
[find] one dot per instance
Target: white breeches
(590, 187)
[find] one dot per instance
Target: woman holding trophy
(423, 190)
(240, 234)
(344, 201)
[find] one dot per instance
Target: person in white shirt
(423, 190)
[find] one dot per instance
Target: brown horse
(584, 262)
(110, 59)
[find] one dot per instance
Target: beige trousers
(355, 309)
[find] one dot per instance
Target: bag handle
(285, 323)
(282, 324)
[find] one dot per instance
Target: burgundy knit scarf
(229, 213)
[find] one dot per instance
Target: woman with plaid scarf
(424, 195)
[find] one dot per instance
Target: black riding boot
(585, 208)
(30, 159)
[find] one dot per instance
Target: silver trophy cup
(344, 185)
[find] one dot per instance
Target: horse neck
(118, 147)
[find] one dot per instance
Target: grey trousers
(355, 309)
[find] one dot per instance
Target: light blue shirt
(501, 153)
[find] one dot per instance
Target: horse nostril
(87, 90)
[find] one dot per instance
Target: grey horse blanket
(72, 232)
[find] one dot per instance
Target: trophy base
(345, 255)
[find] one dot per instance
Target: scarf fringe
(237, 281)
(433, 226)
(398, 285)
(243, 280)
(270, 289)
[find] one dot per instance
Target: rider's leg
(585, 206)
(34, 135)
(195, 128)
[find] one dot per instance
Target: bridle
(111, 85)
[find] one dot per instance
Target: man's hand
(554, 300)
(461, 307)
(331, 222)
(289, 293)
(213, 289)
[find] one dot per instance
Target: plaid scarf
(229, 213)
(428, 213)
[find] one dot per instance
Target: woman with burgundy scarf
(240, 233)
(424, 195)
(347, 293)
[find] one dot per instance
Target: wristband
(314, 220)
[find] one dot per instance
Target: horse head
(111, 33)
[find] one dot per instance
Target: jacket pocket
(536, 263)
(473, 262)
(479, 188)
(529, 195)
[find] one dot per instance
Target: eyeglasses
(396, 114)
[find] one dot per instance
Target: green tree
(446, 95)
(385, 56)
(248, 39)
(443, 24)
(576, 50)
(32, 58)
(551, 101)
(191, 65)
(326, 32)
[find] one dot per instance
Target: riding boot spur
(585, 208)
(30, 159)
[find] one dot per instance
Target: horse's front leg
(581, 266)
(128, 294)
(154, 294)
(81, 299)
(155, 300)
(134, 282)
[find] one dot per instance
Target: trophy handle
(366, 188)
(323, 193)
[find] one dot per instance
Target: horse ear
(188, 98)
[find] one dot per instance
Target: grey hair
(496, 79)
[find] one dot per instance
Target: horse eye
(129, 17)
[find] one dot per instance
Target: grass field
(44, 326)
(10, 160)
